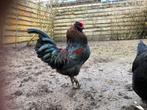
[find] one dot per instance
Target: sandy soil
(105, 80)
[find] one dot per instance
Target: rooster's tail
(46, 49)
(141, 47)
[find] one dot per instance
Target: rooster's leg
(76, 82)
(72, 81)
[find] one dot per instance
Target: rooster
(66, 61)
(139, 70)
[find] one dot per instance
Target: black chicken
(139, 70)
(66, 61)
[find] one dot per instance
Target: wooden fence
(22, 15)
(104, 21)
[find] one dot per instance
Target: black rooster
(66, 61)
(139, 70)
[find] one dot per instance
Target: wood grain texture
(22, 15)
(121, 20)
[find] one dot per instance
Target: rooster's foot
(75, 83)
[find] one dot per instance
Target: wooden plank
(23, 39)
(16, 33)
(104, 29)
(116, 10)
(16, 27)
(91, 15)
(104, 5)
(101, 26)
(7, 40)
(26, 19)
(27, 16)
(33, 12)
(102, 37)
(26, 35)
(116, 17)
(98, 25)
(146, 23)
(12, 22)
(122, 31)
(111, 10)
(28, 6)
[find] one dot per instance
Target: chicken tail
(47, 50)
(141, 47)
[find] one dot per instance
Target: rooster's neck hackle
(75, 36)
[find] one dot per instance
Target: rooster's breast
(76, 58)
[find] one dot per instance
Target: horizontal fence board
(22, 39)
(104, 22)
(25, 35)
(29, 5)
(33, 13)
(118, 26)
(26, 19)
(13, 22)
(102, 33)
(27, 16)
(90, 15)
(17, 33)
(19, 28)
(13, 39)
(101, 11)
(103, 5)
(116, 29)
(116, 17)
(9, 40)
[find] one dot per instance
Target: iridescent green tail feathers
(47, 50)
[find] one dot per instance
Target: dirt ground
(105, 80)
